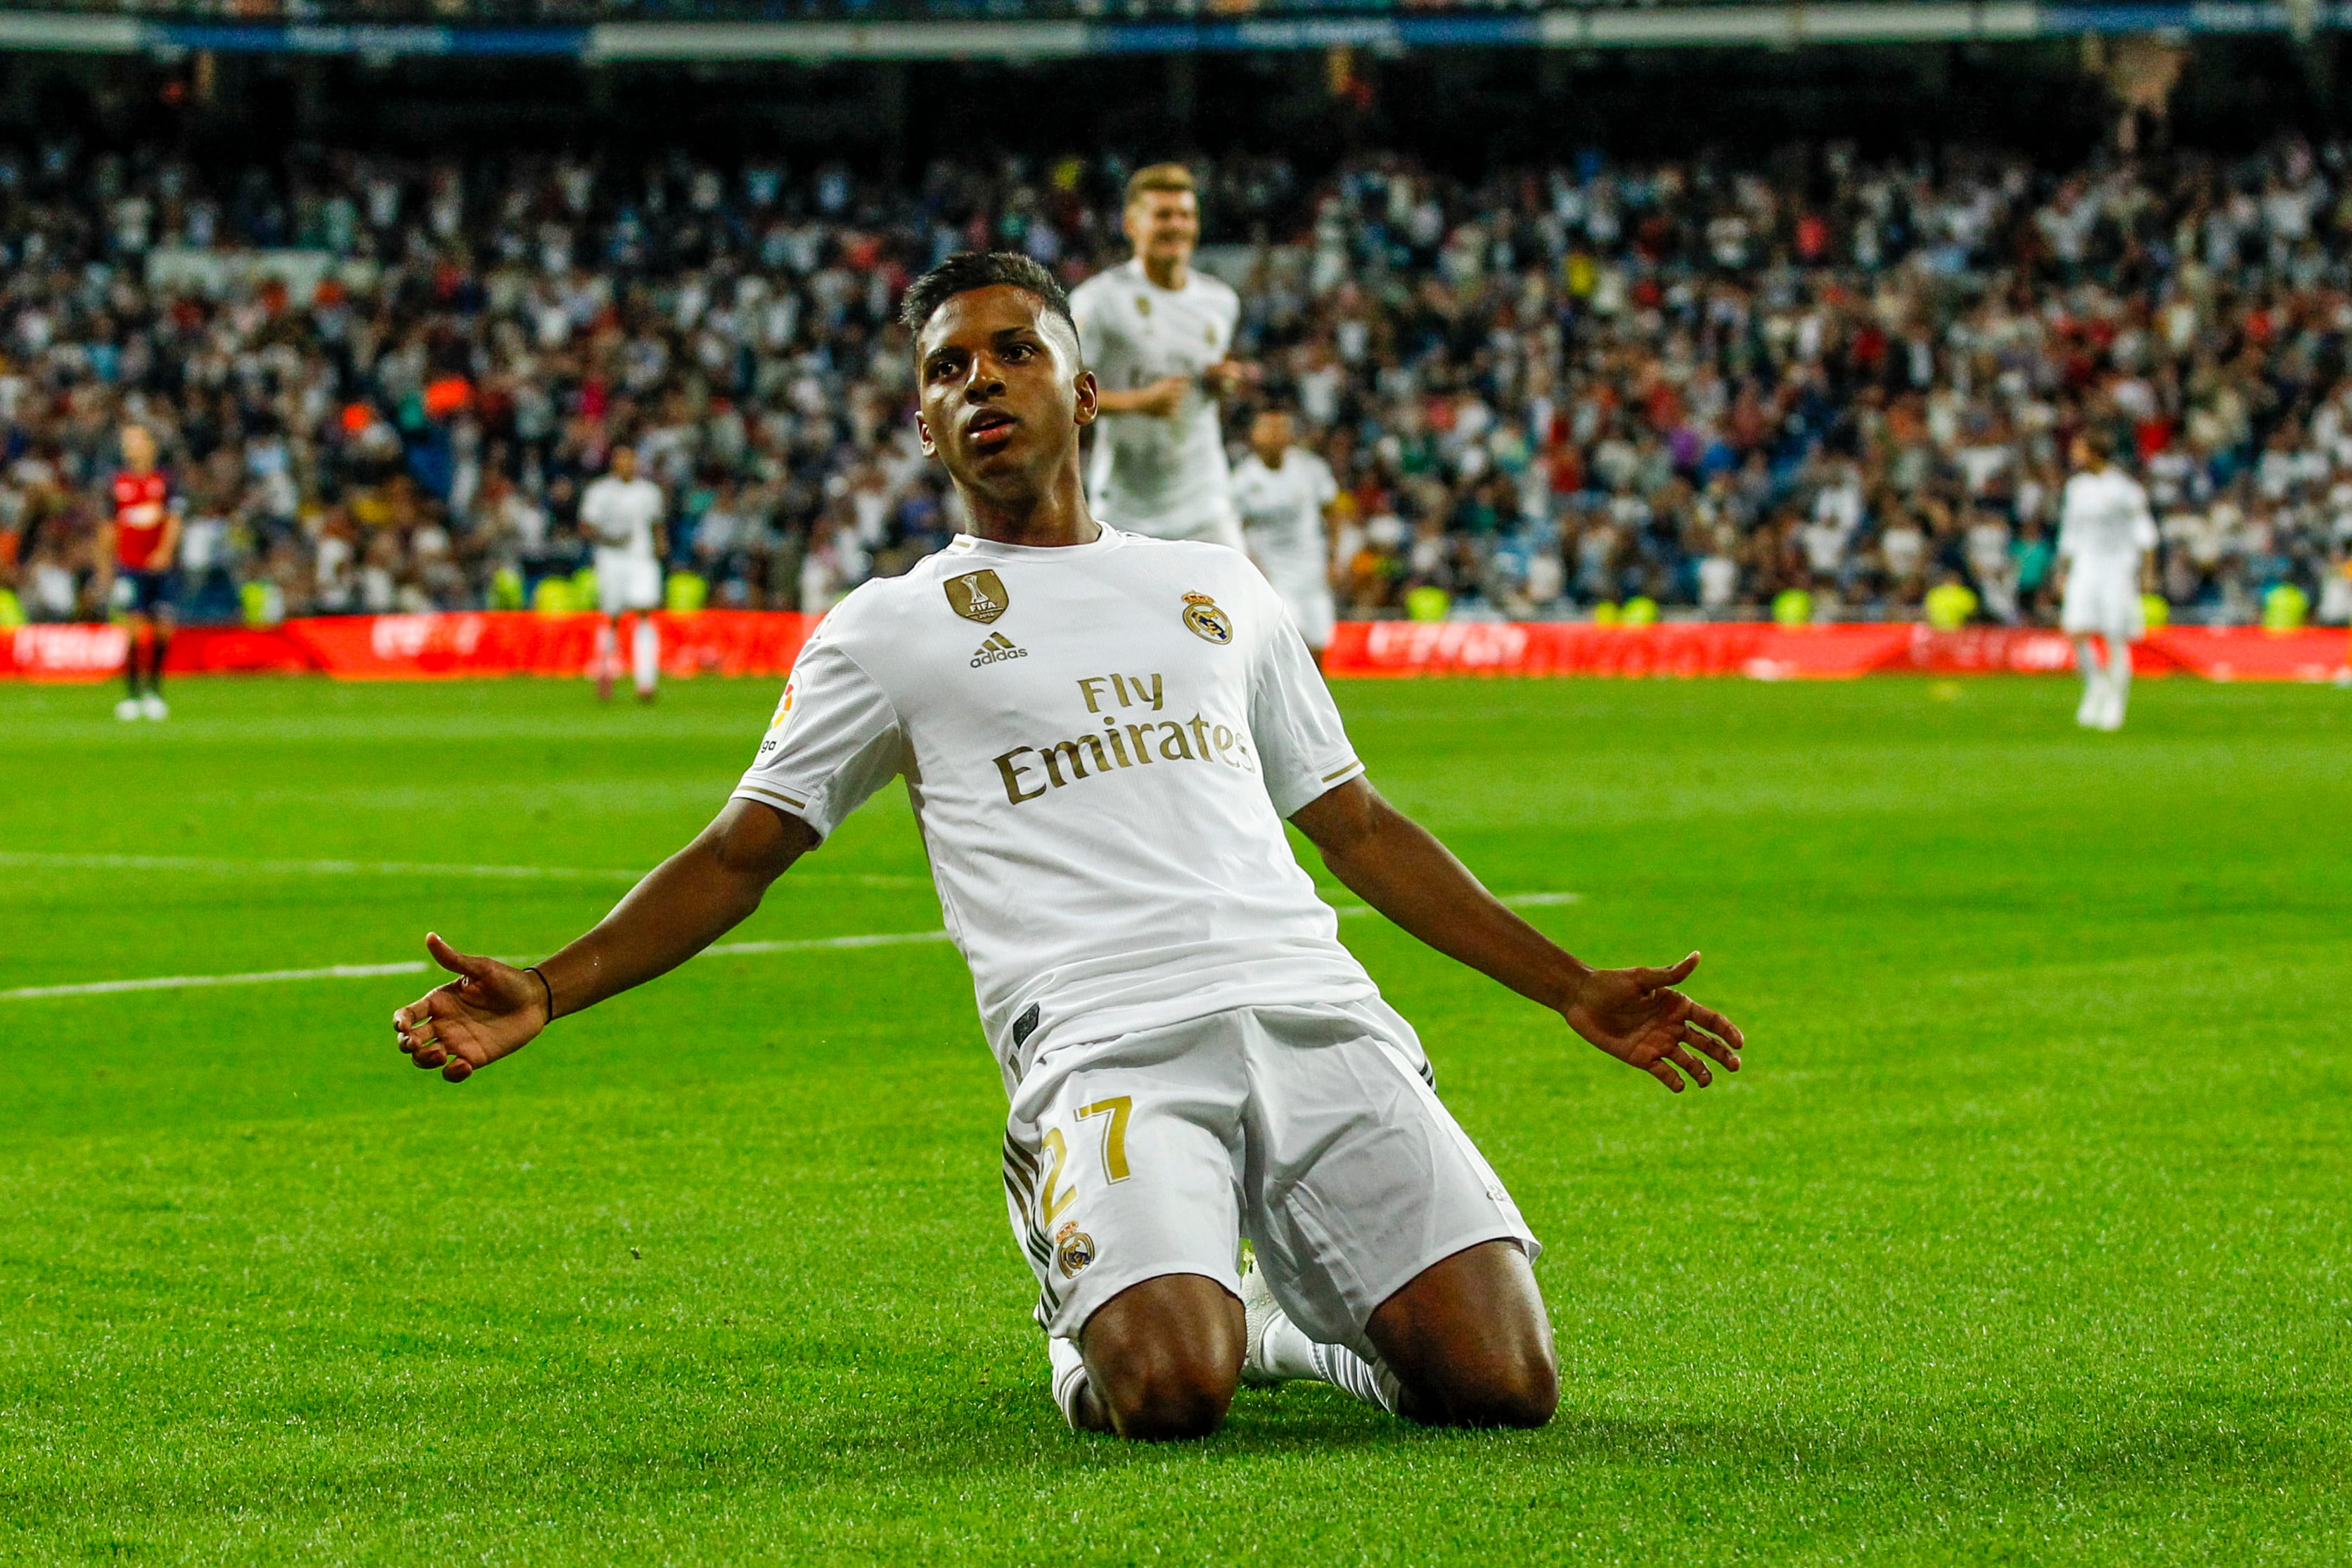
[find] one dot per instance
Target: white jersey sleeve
(835, 739)
(1326, 483)
(1301, 744)
(592, 510)
(1098, 345)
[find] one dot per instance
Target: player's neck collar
(1144, 273)
(1105, 538)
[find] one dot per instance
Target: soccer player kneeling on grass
(1102, 734)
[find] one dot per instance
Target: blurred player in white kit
(2105, 532)
(1156, 335)
(621, 515)
(1284, 493)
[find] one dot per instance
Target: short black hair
(969, 269)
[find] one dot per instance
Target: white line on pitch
(208, 865)
(717, 950)
(187, 982)
(418, 966)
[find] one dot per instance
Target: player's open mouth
(989, 427)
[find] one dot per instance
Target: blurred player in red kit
(146, 553)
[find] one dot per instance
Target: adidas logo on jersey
(996, 650)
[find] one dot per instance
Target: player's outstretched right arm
(1162, 398)
(682, 905)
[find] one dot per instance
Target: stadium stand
(1825, 388)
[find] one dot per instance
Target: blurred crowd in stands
(1820, 387)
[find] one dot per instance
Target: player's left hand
(490, 1010)
(1227, 375)
(1637, 1016)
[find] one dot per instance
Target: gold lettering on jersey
(977, 595)
(1011, 771)
(1054, 753)
(1120, 745)
(1128, 690)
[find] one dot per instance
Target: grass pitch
(2024, 1237)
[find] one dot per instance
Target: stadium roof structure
(597, 31)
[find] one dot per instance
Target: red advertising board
(416, 648)
(445, 646)
(753, 642)
(1808, 653)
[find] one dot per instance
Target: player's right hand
(490, 1010)
(1163, 397)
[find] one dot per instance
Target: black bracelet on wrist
(543, 985)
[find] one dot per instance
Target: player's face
(1002, 392)
(1270, 435)
(137, 448)
(625, 463)
(1164, 226)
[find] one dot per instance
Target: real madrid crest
(1073, 1249)
(1143, 304)
(1204, 620)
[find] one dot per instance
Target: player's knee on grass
(1518, 1387)
(1165, 1356)
(1470, 1343)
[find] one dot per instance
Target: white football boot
(151, 706)
(1258, 1312)
(128, 709)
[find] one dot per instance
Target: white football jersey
(1101, 742)
(2103, 523)
(619, 514)
(1282, 513)
(1164, 474)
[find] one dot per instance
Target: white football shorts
(2105, 603)
(626, 581)
(1312, 1131)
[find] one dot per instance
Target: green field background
(2024, 1238)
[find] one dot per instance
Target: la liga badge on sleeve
(1204, 619)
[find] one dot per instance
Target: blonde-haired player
(2105, 532)
(1284, 494)
(1158, 336)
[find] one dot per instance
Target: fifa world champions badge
(1205, 620)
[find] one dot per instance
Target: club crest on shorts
(978, 596)
(1204, 620)
(1073, 1249)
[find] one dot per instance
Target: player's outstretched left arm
(1399, 867)
(688, 901)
